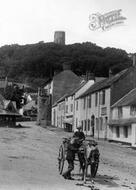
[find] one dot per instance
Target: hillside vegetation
(35, 63)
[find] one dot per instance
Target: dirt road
(28, 161)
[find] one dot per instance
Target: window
(66, 108)
(77, 105)
(117, 132)
(97, 123)
(71, 106)
(133, 110)
(101, 122)
(89, 101)
(126, 131)
(82, 124)
(84, 102)
(96, 99)
(85, 127)
(88, 124)
(103, 97)
(76, 122)
(120, 112)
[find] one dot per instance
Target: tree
(14, 93)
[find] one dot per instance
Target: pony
(89, 156)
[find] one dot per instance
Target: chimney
(110, 73)
(66, 66)
(90, 76)
(134, 60)
(56, 71)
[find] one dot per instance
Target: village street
(28, 160)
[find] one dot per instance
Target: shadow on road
(19, 127)
(106, 180)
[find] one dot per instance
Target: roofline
(82, 96)
(114, 105)
(106, 86)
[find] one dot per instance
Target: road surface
(28, 161)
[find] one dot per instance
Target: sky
(31, 21)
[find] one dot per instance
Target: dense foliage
(14, 93)
(36, 62)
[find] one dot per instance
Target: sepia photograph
(67, 95)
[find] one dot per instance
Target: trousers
(70, 168)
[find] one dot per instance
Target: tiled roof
(64, 83)
(62, 98)
(127, 100)
(104, 83)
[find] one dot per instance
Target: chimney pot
(110, 73)
(66, 66)
(90, 76)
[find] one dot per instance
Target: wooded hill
(36, 62)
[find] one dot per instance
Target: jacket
(71, 150)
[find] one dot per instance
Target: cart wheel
(61, 159)
(93, 169)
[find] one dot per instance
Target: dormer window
(120, 112)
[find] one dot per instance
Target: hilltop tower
(59, 37)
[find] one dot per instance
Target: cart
(62, 154)
(93, 161)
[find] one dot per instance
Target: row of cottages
(64, 110)
(123, 119)
(94, 108)
(105, 110)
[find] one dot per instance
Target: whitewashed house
(93, 111)
(122, 125)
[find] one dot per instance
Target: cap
(79, 127)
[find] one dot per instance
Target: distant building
(62, 84)
(8, 113)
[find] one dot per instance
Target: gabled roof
(104, 83)
(127, 100)
(64, 83)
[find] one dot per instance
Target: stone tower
(59, 37)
